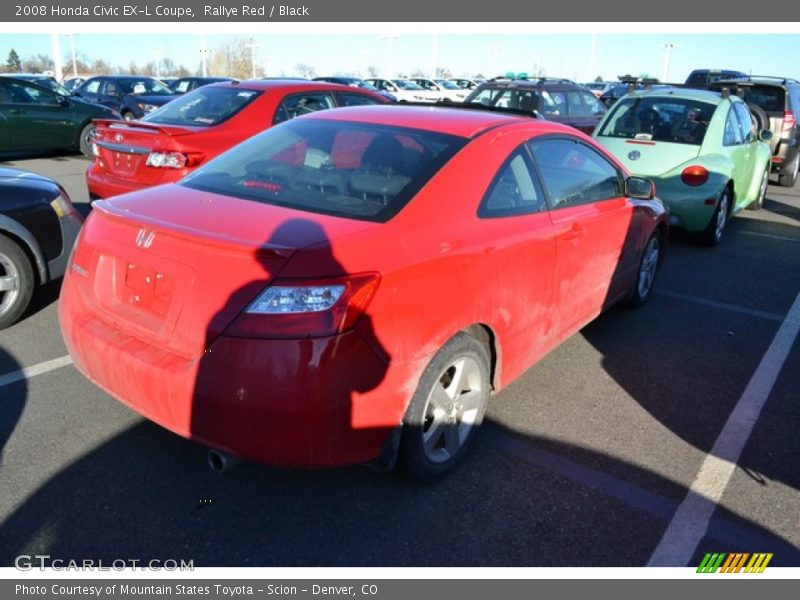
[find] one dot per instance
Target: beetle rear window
(204, 107)
(355, 170)
(668, 119)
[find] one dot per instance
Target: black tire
(128, 115)
(85, 141)
(15, 270)
(648, 268)
(424, 450)
(758, 203)
(713, 234)
(788, 176)
(762, 119)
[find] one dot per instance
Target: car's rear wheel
(128, 115)
(16, 282)
(86, 139)
(648, 267)
(758, 203)
(713, 234)
(446, 409)
(788, 176)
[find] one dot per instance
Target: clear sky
(566, 55)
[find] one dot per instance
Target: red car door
(596, 228)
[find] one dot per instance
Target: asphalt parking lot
(606, 453)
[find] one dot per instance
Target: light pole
(668, 48)
(157, 54)
(252, 45)
(72, 48)
(390, 38)
(204, 52)
(56, 55)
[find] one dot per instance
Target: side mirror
(640, 188)
(765, 135)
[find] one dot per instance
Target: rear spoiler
(139, 127)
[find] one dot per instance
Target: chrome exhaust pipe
(220, 461)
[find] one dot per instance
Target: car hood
(649, 159)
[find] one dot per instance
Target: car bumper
(104, 185)
(70, 228)
(300, 403)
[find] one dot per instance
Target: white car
(465, 83)
(402, 89)
(443, 89)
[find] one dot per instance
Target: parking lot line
(690, 522)
(753, 312)
(38, 369)
(781, 238)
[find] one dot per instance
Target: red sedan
(189, 131)
(352, 286)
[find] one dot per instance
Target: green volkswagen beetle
(702, 149)
(37, 120)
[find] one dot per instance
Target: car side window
(514, 191)
(746, 123)
(92, 87)
(298, 105)
(182, 86)
(21, 93)
(573, 173)
(353, 99)
(733, 132)
(111, 89)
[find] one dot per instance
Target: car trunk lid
(174, 266)
(648, 158)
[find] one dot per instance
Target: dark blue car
(133, 96)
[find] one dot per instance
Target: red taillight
(355, 293)
(789, 122)
(694, 175)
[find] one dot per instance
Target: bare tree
(417, 73)
(100, 67)
(37, 64)
(305, 70)
(443, 73)
(233, 59)
(373, 71)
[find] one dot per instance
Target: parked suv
(776, 102)
(703, 78)
(557, 100)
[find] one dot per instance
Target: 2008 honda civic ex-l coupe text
(351, 285)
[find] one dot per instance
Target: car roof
(290, 85)
(531, 84)
(682, 93)
(462, 122)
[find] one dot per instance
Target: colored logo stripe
(733, 563)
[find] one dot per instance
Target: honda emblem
(145, 237)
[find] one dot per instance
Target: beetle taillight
(694, 175)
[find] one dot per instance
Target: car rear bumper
(103, 185)
(301, 403)
(687, 205)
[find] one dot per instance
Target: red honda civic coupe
(353, 285)
(187, 132)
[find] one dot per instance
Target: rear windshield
(204, 107)
(355, 170)
(144, 87)
(770, 98)
(659, 120)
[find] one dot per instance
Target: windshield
(448, 85)
(771, 99)
(204, 107)
(144, 86)
(655, 119)
(404, 84)
(356, 170)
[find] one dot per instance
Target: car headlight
(62, 205)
